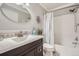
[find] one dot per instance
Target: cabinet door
(39, 51)
(31, 53)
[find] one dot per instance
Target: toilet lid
(47, 45)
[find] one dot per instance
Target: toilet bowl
(47, 49)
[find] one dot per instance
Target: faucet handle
(76, 39)
(74, 43)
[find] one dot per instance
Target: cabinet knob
(40, 49)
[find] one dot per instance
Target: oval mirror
(17, 13)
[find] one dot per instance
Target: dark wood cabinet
(38, 50)
(32, 49)
(31, 53)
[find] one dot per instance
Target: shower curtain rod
(62, 7)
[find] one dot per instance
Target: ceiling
(52, 6)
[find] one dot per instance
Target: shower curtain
(49, 28)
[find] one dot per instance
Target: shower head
(74, 10)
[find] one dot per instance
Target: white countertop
(11, 43)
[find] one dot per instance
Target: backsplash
(13, 34)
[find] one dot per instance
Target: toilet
(47, 49)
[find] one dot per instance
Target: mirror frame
(24, 6)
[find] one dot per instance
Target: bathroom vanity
(32, 46)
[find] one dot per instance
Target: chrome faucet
(75, 42)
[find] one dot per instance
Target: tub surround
(9, 44)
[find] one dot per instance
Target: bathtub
(59, 49)
(66, 51)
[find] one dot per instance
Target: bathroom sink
(19, 39)
(26, 38)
